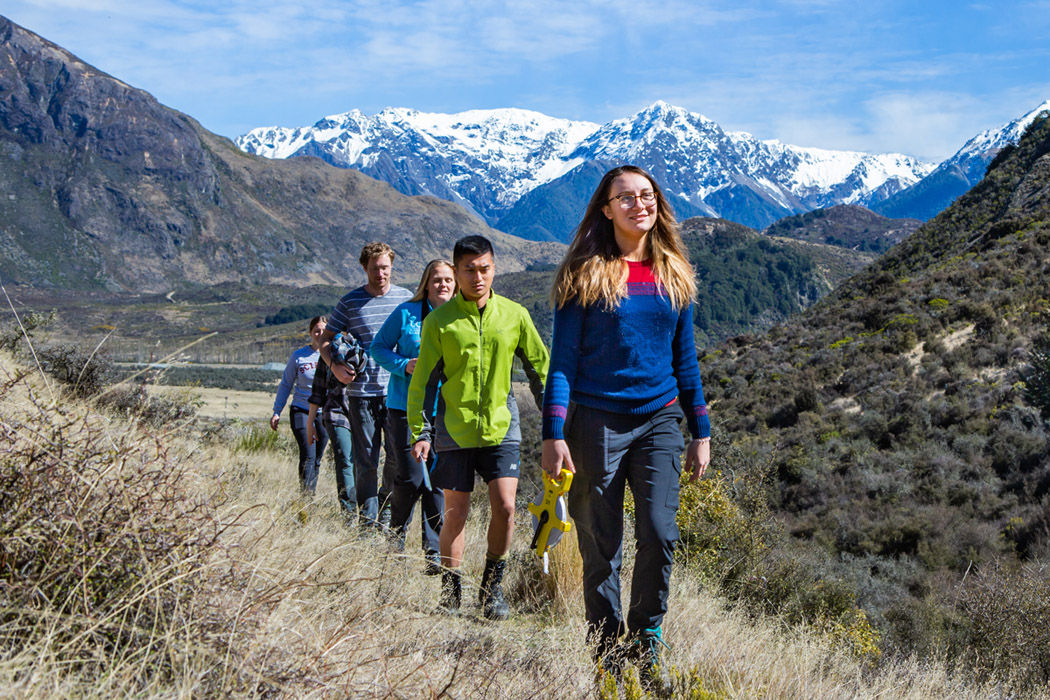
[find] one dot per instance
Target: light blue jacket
(394, 345)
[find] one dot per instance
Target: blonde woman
(623, 371)
(395, 348)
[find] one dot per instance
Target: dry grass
(290, 602)
(223, 403)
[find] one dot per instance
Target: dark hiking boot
(433, 565)
(609, 658)
(451, 592)
(646, 647)
(490, 594)
(384, 517)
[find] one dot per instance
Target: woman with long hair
(623, 371)
(296, 382)
(395, 348)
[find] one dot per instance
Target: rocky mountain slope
(530, 174)
(105, 187)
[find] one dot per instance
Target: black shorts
(455, 469)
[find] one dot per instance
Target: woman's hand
(556, 457)
(420, 451)
(697, 457)
(411, 366)
(311, 433)
(275, 420)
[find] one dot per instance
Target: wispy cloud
(870, 76)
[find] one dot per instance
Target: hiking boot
(384, 516)
(433, 565)
(451, 592)
(646, 647)
(609, 659)
(490, 594)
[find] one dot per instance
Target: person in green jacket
(466, 353)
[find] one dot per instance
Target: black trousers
(411, 484)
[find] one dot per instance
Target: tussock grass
(139, 562)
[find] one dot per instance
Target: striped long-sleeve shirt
(362, 315)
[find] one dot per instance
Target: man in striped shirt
(361, 313)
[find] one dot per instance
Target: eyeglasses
(627, 200)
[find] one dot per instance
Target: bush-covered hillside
(846, 225)
(908, 460)
(746, 282)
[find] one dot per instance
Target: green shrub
(1037, 378)
(258, 438)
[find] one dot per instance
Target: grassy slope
(298, 605)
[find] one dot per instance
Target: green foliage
(849, 226)
(729, 535)
(1037, 379)
(258, 438)
(298, 312)
(232, 378)
(927, 453)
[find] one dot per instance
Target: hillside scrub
(910, 455)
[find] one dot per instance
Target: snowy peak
(488, 160)
(995, 139)
(956, 175)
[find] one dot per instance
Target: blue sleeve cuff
(700, 425)
(553, 428)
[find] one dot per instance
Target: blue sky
(914, 77)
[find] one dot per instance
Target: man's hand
(420, 451)
(411, 366)
(311, 433)
(556, 457)
(275, 420)
(343, 373)
(697, 457)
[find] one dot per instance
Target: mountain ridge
(958, 173)
(106, 187)
(711, 172)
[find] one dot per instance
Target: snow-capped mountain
(509, 165)
(958, 174)
(483, 159)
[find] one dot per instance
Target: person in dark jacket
(328, 397)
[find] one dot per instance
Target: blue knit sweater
(633, 359)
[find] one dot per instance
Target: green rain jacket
(466, 358)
